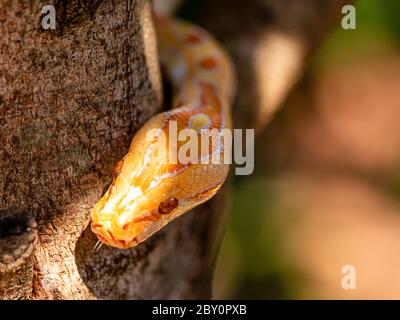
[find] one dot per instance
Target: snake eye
(168, 205)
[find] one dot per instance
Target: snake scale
(146, 192)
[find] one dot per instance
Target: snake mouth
(107, 237)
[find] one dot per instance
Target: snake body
(147, 193)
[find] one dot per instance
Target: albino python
(146, 193)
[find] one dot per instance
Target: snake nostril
(125, 226)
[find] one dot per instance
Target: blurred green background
(326, 188)
(285, 237)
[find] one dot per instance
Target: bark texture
(70, 102)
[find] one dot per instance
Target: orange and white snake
(146, 192)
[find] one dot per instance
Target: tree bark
(70, 101)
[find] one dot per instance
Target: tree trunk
(70, 101)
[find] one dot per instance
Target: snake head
(127, 226)
(147, 192)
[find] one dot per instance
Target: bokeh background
(326, 188)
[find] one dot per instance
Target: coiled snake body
(146, 192)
